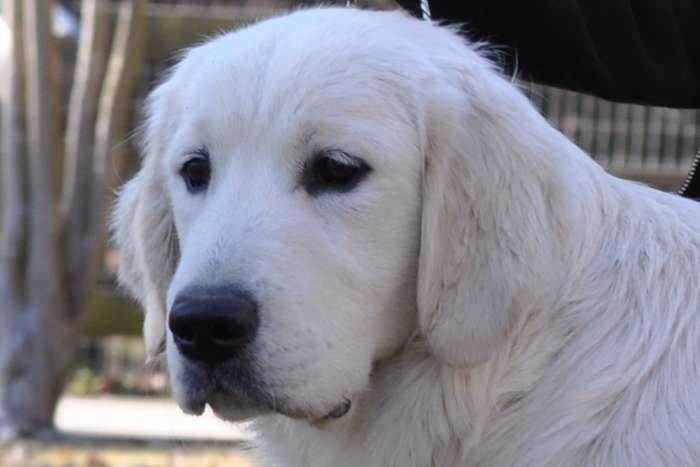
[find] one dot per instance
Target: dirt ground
(36, 454)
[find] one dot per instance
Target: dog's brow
(200, 150)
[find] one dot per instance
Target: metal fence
(623, 137)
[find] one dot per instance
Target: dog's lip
(235, 407)
(340, 410)
(193, 407)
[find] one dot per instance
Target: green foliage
(111, 314)
(82, 382)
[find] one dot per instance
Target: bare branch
(43, 153)
(87, 77)
(114, 107)
(75, 205)
(116, 97)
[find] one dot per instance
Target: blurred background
(74, 386)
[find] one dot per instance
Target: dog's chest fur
(417, 412)
(385, 428)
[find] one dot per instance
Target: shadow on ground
(98, 452)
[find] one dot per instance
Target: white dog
(350, 227)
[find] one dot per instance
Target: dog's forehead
(303, 54)
(299, 79)
(340, 38)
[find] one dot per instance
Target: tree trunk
(30, 282)
(51, 201)
(12, 213)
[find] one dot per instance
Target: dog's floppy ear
(489, 246)
(144, 231)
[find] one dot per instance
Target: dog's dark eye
(196, 172)
(334, 171)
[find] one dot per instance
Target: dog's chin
(234, 408)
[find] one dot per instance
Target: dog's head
(319, 188)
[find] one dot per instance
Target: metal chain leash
(424, 8)
(691, 185)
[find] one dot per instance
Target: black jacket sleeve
(637, 51)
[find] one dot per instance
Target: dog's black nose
(213, 325)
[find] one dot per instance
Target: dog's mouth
(234, 394)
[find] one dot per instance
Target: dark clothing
(636, 51)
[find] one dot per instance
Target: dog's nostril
(182, 332)
(213, 325)
(221, 334)
(224, 333)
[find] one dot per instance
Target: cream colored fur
(487, 296)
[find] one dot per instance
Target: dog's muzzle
(212, 329)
